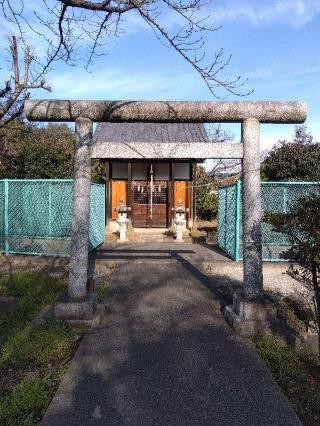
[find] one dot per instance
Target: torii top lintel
(163, 111)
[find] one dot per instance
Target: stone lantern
(123, 220)
(180, 220)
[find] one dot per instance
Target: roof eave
(166, 151)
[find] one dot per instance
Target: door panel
(140, 204)
(181, 193)
(150, 206)
(140, 216)
(158, 218)
(118, 192)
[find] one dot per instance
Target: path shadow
(165, 357)
(180, 256)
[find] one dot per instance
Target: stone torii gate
(80, 306)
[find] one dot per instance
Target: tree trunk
(316, 290)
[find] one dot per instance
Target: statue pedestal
(179, 232)
(84, 312)
(123, 223)
(180, 223)
(123, 233)
(251, 317)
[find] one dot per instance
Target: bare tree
(222, 167)
(19, 84)
(64, 24)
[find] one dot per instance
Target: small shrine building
(144, 172)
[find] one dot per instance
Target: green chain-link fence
(276, 198)
(36, 215)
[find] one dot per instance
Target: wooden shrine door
(118, 193)
(150, 204)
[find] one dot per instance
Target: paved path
(165, 357)
(164, 252)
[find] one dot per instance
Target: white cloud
(116, 84)
(271, 134)
(296, 13)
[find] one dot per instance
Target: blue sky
(274, 43)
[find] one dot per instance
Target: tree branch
(12, 96)
(67, 23)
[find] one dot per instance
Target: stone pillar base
(250, 318)
(81, 312)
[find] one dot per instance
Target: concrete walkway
(165, 357)
(164, 252)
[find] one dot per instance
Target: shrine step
(156, 235)
(149, 238)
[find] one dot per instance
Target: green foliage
(298, 159)
(30, 151)
(33, 291)
(283, 361)
(24, 403)
(38, 345)
(101, 289)
(98, 174)
(292, 371)
(206, 197)
(302, 226)
(25, 349)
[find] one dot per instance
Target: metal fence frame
(8, 226)
(229, 216)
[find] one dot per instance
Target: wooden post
(129, 192)
(194, 193)
(172, 192)
(108, 192)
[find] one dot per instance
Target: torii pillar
(251, 311)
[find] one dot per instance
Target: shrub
(206, 198)
(38, 345)
(301, 225)
(23, 405)
(298, 159)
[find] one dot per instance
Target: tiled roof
(150, 132)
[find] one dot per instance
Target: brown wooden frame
(108, 213)
(129, 190)
(190, 195)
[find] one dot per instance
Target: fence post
(225, 220)
(285, 200)
(50, 210)
(6, 217)
(238, 219)
(285, 208)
